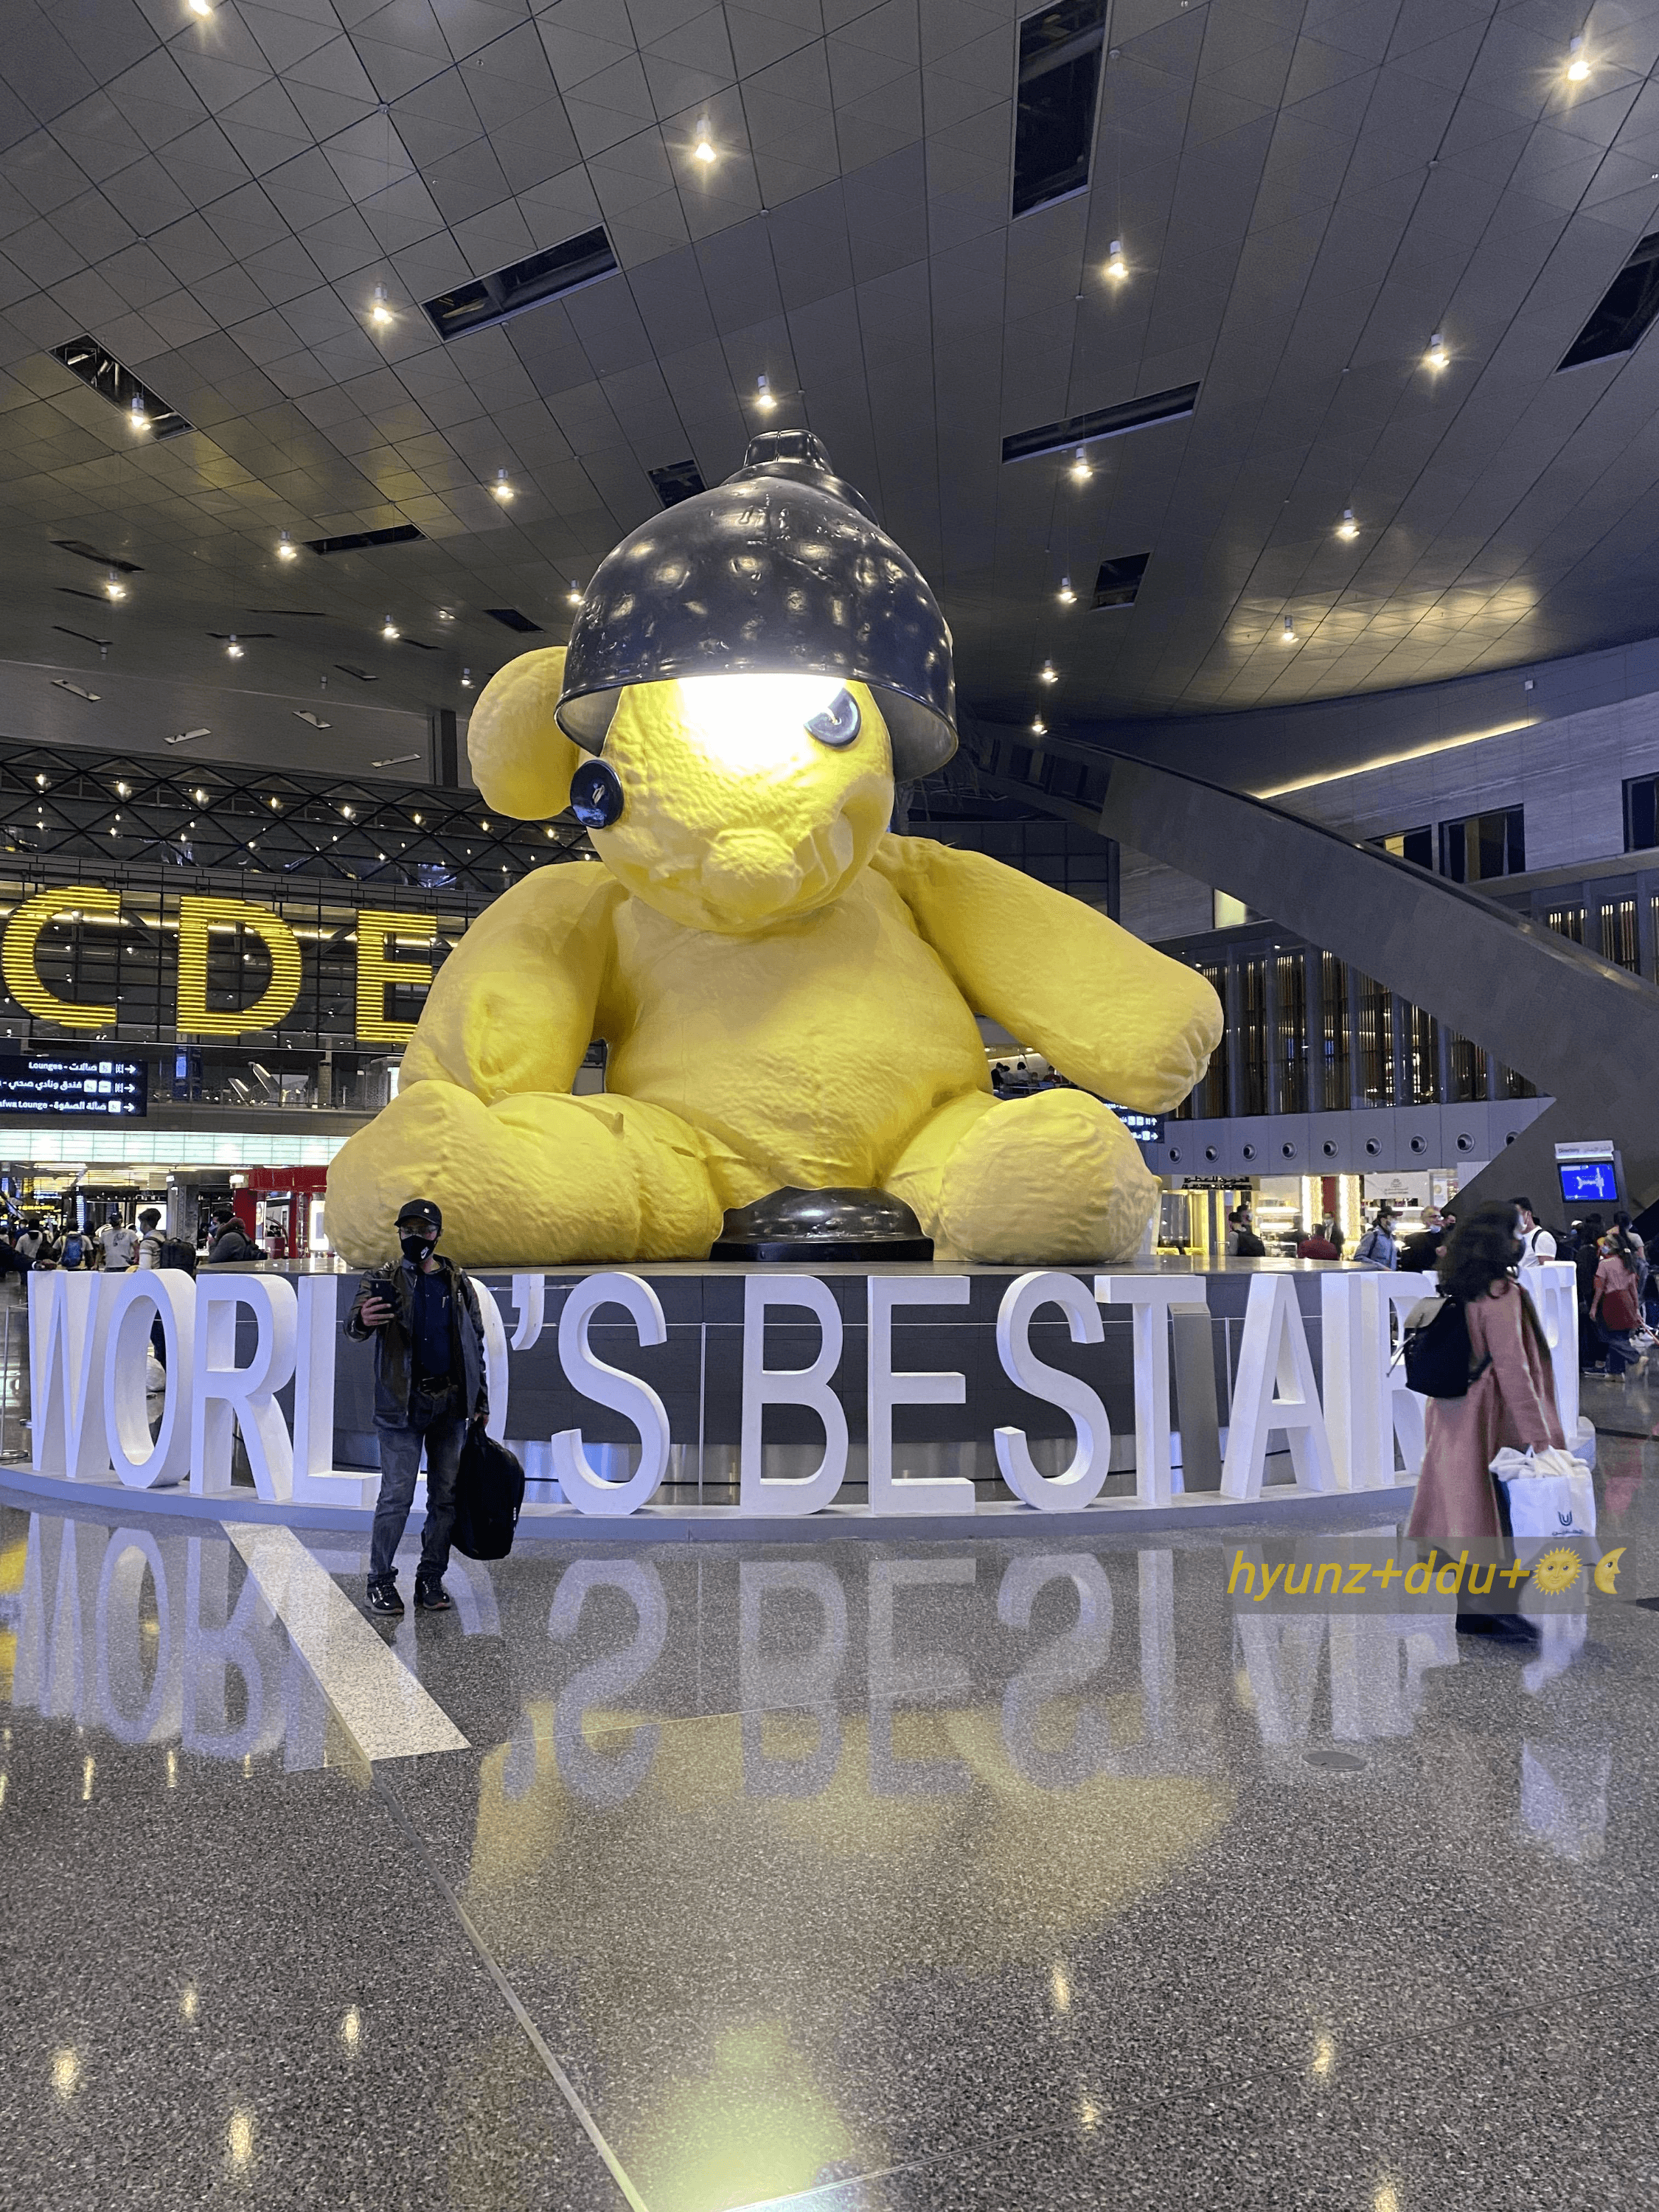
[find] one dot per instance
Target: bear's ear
(521, 758)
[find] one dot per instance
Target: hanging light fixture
(1436, 355)
(501, 487)
(821, 591)
(1065, 595)
(1039, 727)
(765, 399)
(115, 589)
(232, 649)
(286, 548)
(1081, 471)
(574, 594)
(466, 685)
(140, 420)
(703, 148)
(1047, 674)
(1577, 60)
(1115, 264)
(1347, 527)
(389, 629)
(379, 312)
(1289, 632)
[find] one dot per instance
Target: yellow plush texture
(789, 995)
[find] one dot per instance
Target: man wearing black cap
(423, 1313)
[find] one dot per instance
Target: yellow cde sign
(198, 918)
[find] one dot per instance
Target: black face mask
(415, 1247)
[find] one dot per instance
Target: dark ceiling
(1306, 191)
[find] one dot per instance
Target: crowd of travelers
(35, 1240)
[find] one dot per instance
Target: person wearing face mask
(423, 1313)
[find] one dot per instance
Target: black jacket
(395, 1282)
(232, 1244)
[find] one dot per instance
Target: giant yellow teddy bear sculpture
(787, 992)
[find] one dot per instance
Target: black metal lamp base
(861, 1226)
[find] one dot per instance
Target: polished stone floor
(876, 1877)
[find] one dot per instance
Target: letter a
(1273, 1348)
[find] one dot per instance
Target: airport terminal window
(1416, 845)
(1054, 118)
(1422, 1056)
(1641, 813)
(1483, 845)
(1374, 1043)
(1465, 1070)
(1290, 1031)
(1253, 1036)
(1619, 934)
(1334, 1033)
(1566, 922)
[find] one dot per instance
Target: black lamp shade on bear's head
(781, 570)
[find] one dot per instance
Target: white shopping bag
(1551, 1494)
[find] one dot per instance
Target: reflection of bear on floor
(787, 993)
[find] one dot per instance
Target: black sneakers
(383, 1598)
(430, 1595)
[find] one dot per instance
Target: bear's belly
(812, 1052)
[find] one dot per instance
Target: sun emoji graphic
(1555, 1570)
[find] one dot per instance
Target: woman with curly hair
(1510, 1398)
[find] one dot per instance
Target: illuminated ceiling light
(1289, 632)
(466, 685)
(124, 791)
(1577, 60)
(379, 312)
(1115, 264)
(389, 629)
(501, 488)
(1436, 353)
(1081, 471)
(444, 615)
(201, 7)
(1039, 727)
(1066, 595)
(765, 399)
(1347, 527)
(200, 797)
(233, 651)
(574, 594)
(415, 819)
(703, 148)
(42, 783)
(115, 589)
(1047, 674)
(140, 420)
(286, 548)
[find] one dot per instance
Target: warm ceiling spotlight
(140, 420)
(379, 312)
(1577, 60)
(1065, 595)
(389, 629)
(765, 399)
(124, 791)
(466, 685)
(200, 797)
(1047, 674)
(1289, 631)
(201, 7)
(1436, 353)
(574, 594)
(702, 147)
(444, 615)
(1347, 527)
(286, 548)
(502, 490)
(115, 589)
(232, 649)
(42, 783)
(1081, 471)
(1039, 727)
(1115, 264)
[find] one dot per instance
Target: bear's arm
(1113, 1016)
(513, 1008)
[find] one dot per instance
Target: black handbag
(489, 1494)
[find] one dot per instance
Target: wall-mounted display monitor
(1587, 1182)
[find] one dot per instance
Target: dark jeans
(442, 1431)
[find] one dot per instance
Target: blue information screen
(1584, 1183)
(67, 1085)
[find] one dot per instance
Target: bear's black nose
(596, 795)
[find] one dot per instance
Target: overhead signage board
(73, 1086)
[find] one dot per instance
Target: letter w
(67, 1340)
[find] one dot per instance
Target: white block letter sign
(1085, 1477)
(624, 1393)
(764, 1385)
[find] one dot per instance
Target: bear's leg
(538, 1180)
(1055, 1177)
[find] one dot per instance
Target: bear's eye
(838, 724)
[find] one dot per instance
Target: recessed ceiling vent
(1054, 120)
(510, 618)
(1102, 422)
(1623, 310)
(355, 541)
(1118, 580)
(85, 358)
(679, 480)
(580, 260)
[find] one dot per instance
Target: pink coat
(1512, 1403)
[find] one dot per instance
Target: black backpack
(1436, 1350)
(489, 1493)
(175, 1252)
